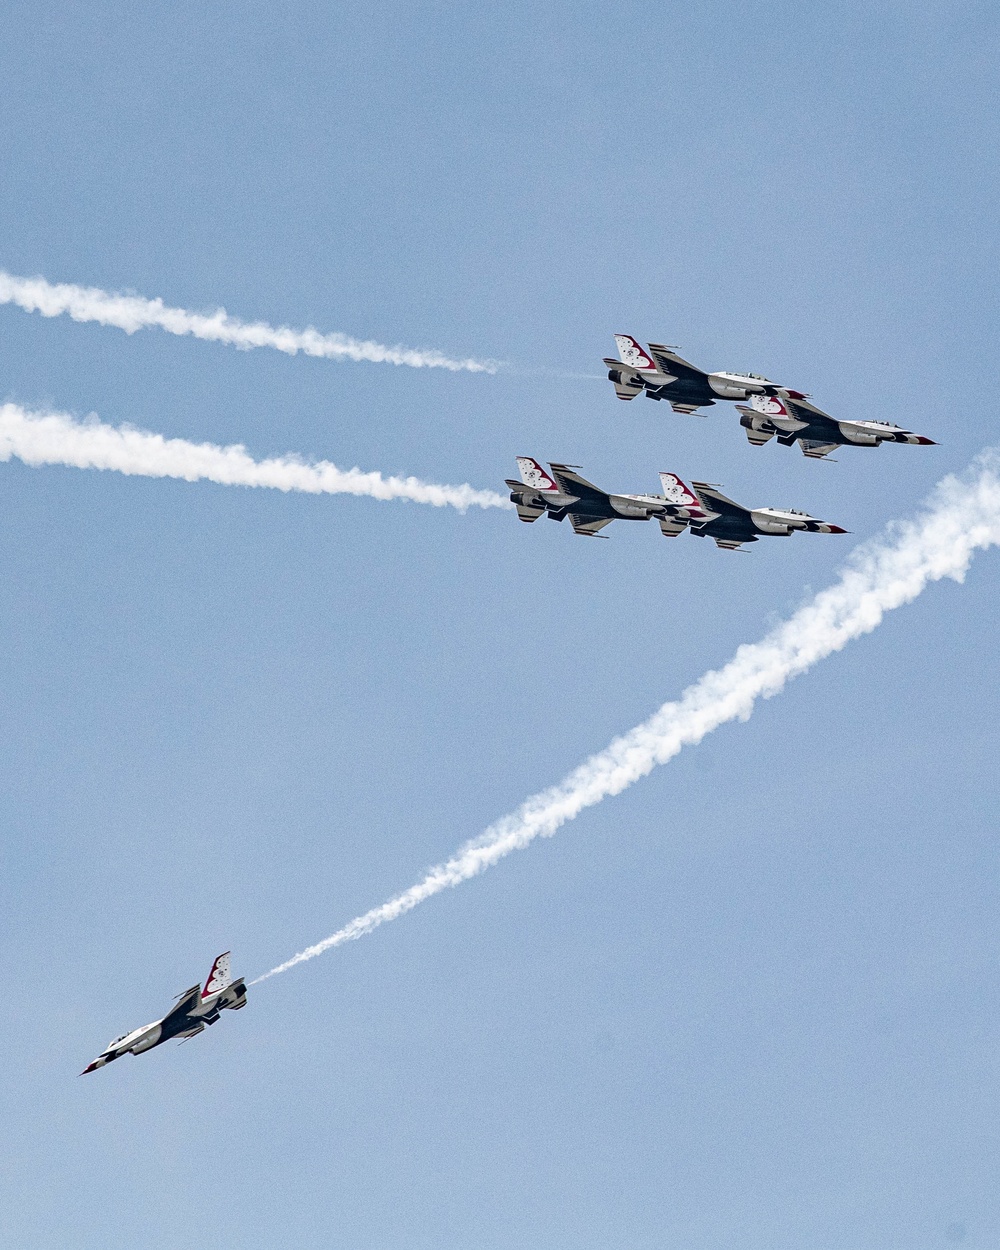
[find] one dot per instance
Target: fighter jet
(195, 1008)
(662, 374)
(794, 419)
(563, 492)
(729, 523)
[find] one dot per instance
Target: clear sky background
(753, 1002)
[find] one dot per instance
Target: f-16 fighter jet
(662, 374)
(562, 492)
(195, 1008)
(794, 419)
(729, 523)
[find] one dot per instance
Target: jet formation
(661, 373)
(195, 1009)
(767, 410)
(700, 507)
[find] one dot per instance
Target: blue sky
(750, 1003)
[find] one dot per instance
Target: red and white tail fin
(677, 492)
(532, 474)
(631, 354)
(770, 406)
(219, 977)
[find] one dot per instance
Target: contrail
(962, 515)
(55, 438)
(133, 312)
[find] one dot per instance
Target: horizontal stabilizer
(527, 513)
(627, 384)
(815, 450)
(670, 526)
(759, 429)
(530, 504)
(588, 526)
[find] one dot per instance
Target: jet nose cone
(836, 529)
(92, 1067)
(925, 442)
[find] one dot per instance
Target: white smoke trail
(961, 516)
(55, 438)
(133, 312)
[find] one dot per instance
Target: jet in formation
(793, 418)
(662, 374)
(700, 507)
(195, 1009)
(774, 409)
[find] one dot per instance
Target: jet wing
(571, 483)
(803, 409)
(668, 361)
(186, 1004)
(589, 525)
(714, 501)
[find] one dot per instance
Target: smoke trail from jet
(133, 312)
(961, 516)
(40, 438)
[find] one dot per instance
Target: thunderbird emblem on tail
(195, 1009)
(562, 493)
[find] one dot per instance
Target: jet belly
(736, 385)
(767, 522)
(151, 1037)
(726, 528)
(635, 507)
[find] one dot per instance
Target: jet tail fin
(533, 475)
(678, 493)
(632, 354)
(219, 978)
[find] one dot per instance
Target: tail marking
(633, 355)
(219, 978)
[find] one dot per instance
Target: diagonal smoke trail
(133, 312)
(962, 515)
(56, 438)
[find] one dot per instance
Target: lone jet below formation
(699, 507)
(195, 1008)
(794, 419)
(662, 374)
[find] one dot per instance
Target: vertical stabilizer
(532, 474)
(677, 492)
(219, 977)
(632, 354)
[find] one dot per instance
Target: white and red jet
(662, 374)
(195, 1009)
(793, 418)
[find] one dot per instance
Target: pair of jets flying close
(774, 411)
